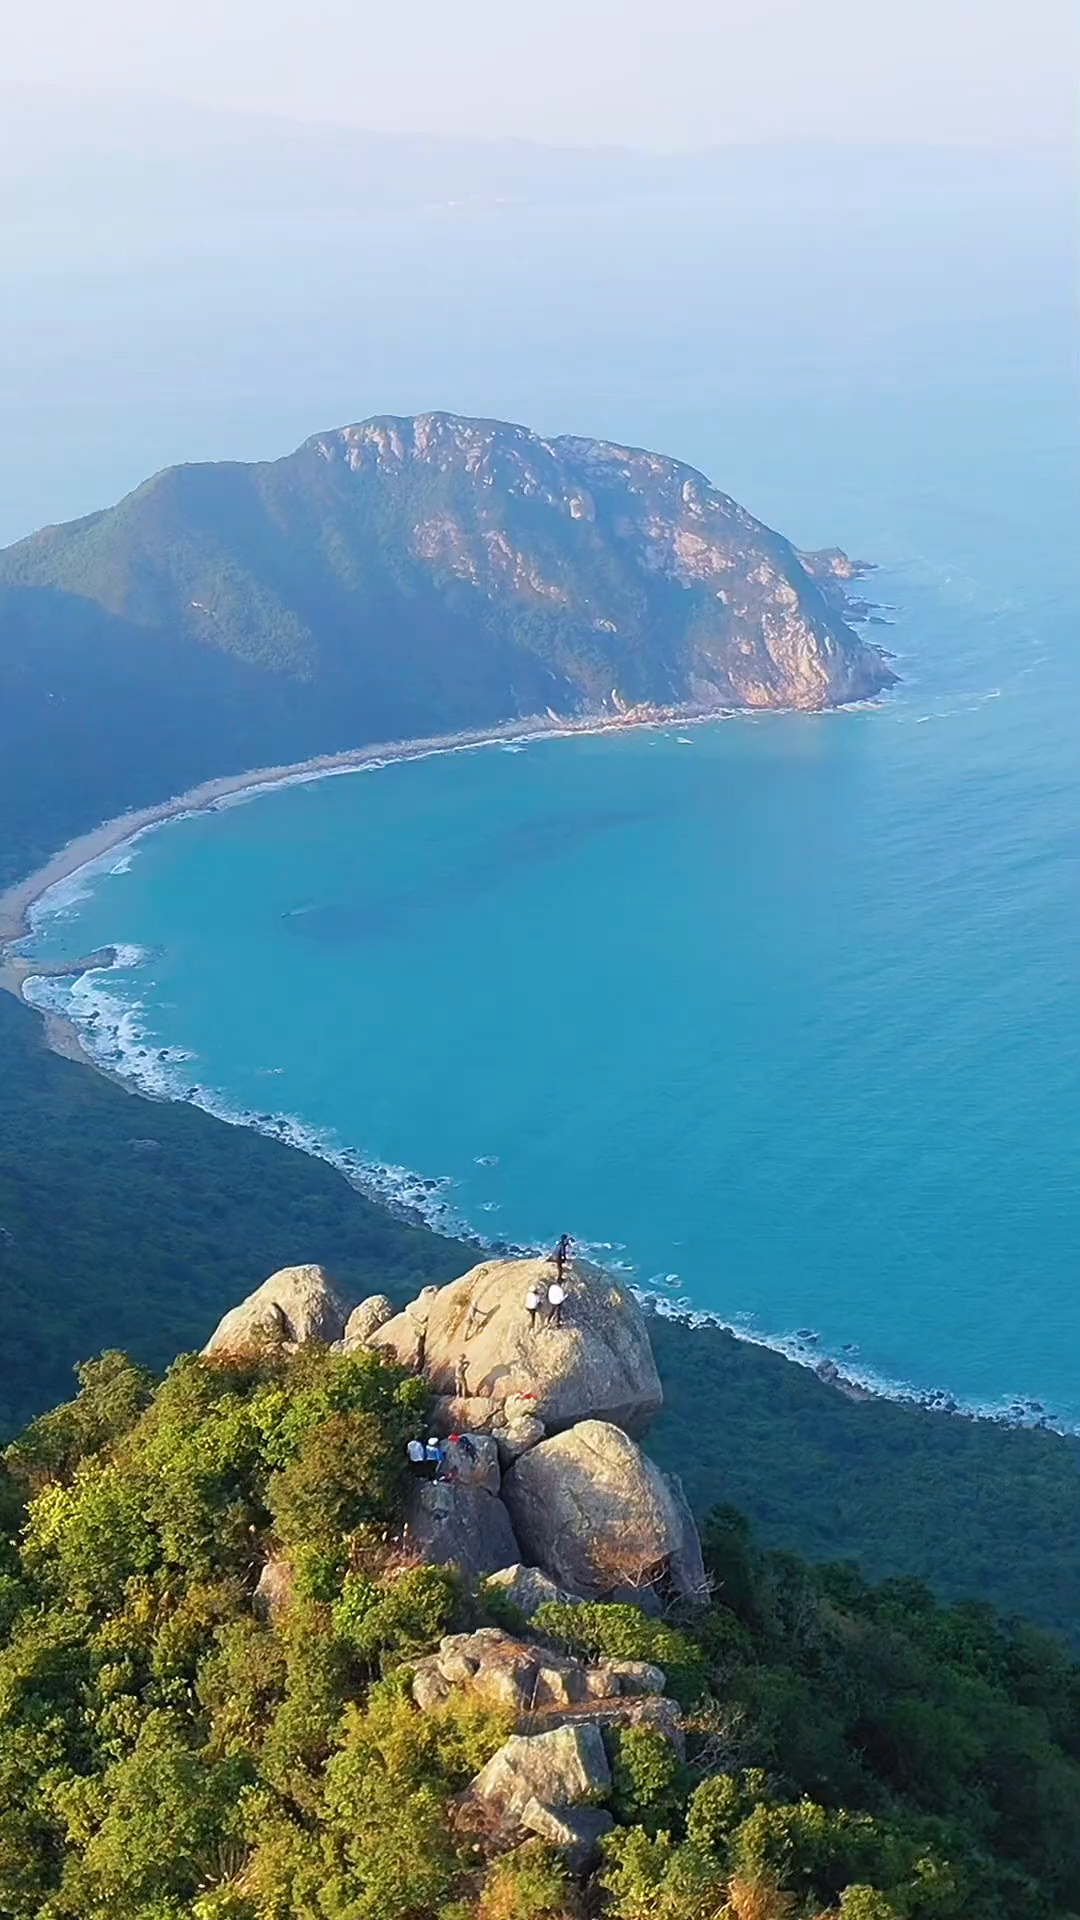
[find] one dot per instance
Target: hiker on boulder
(532, 1306)
(556, 1294)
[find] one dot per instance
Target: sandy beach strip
(18, 900)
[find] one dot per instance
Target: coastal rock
(478, 1342)
(595, 1513)
(557, 1769)
(362, 1322)
(295, 1305)
(452, 1525)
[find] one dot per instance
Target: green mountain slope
(180, 1740)
(397, 578)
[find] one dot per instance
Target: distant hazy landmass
(401, 577)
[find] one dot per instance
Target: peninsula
(400, 580)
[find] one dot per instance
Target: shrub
(620, 1632)
(529, 1884)
(400, 1614)
(649, 1783)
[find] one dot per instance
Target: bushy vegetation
(975, 1509)
(178, 1743)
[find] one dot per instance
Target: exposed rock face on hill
(597, 1363)
(546, 1490)
(525, 1675)
(363, 1320)
(462, 1526)
(589, 1508)
(527, 1589)
(560, 1769)
(294, 1305)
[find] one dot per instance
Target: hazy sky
(666, 73)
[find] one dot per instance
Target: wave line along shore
(17, 900)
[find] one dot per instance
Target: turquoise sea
(781, 1011)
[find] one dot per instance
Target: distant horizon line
(261, 118)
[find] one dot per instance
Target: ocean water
(781, 1012)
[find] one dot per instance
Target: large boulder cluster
(295, 1305)
(542, 1493)
(550, 1480)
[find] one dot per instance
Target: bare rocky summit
(597, 1363)
(536, 1501)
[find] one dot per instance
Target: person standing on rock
(556, 1294)
(532, 1306)
(461, 1378)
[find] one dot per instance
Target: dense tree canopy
(174, 1748)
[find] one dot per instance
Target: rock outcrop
(475, 1342)
(575, 1831)
(364, 1319)
(296, 1304)
(453, 1525)
(542, 1483)
(526, 1675)
(594, 1512)
(527, 1589)
(688, 1575)
(472, 1460)
(557, 1769)
(274, 1589)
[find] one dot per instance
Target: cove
(775, 1010)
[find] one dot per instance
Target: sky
(667, 74)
